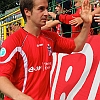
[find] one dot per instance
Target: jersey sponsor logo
(49, 50)
(32, 69)
(45, 66)
(38, 45)
(2, 52)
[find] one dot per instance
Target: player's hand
(86, 12)
(97, 18)
(52, 14)
(76, 21)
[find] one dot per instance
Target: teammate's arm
(50, 24)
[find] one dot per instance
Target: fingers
(97, 18)
(86, 5)
(73, 22)
(86, 10)
(77, 24)
(97, 14)
(98, 23)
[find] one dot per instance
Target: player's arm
(7, 68)
(11, 91)
(65, 18)
(50, 24)
(87, 20)
(66, 45)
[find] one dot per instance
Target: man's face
(58, 9)
(39, 13)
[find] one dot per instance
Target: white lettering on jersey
(38, 45)
(32, 69)
(43, 67)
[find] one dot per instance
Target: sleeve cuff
(57, 17)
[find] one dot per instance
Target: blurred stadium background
(10, 13)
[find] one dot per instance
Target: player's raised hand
(86, 12)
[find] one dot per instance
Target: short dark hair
(26, 4)
(66, 3)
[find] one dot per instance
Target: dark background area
(8, 4)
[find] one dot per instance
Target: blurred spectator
(12, 28)
(63, 7)
(7, 32)
(65, 18)
(0, 46)
(94, 24)
(0, 41)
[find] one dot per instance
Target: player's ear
(27, 12)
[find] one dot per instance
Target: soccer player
(26, 55)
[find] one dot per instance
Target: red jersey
(26, 60)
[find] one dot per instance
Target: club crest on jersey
(2, 52)
(49, 50)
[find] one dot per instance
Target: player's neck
(32, 30)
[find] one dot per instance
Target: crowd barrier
(76, 76)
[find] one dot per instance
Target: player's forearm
(96, 11)
(64, 18)
(50, 24)
(10, 90)
(53, 23)
(7, 88)
(82, 37)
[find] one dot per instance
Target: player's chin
(43, 23)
